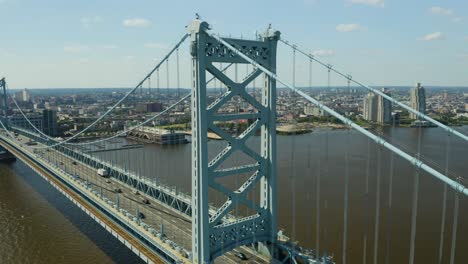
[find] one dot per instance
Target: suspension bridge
(231, 214)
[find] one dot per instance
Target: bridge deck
(177, 226)
(116, 228)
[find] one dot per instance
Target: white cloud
(348, 27)
(155, 46)
(457, 19)
(433, 36)
(129, 57)
(379, 3)
(74, 48)
(136, 22)
(88, 21)
(323, 52)
(437, 10)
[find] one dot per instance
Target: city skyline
(88, 45)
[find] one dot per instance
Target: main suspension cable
(376, 91)
(111, 108)
(416, 162)
(149, 120)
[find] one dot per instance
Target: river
(40, 226)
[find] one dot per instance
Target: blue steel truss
(166, 195)
(212, 236)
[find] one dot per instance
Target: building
(418, 100)
(149, 107)
(20, 121)
(377, 109)
(312, 110)
(384, 109)
(154, 107)
(49, 120)
(370, 108)
(23, 96)
(158, 136)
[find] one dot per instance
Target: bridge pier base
(6, 156)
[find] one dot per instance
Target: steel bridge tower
(4, 102)
(212, 234)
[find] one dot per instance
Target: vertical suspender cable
(390, 201)
(327, 172)
(293, 176)
(310, 72)
(377, 205)
(178, 73)
(149, 85)
(414, 213)
(167, 76)
(294, 78)
(293, 192)
(308, 233)
(367, 207)
(444, 203)
(157, 83)
(346, 198)
(317, 208)
(454, 229)
(294, 67)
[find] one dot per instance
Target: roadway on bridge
(177, 226)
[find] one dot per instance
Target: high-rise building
(377, 109)
(418, 100)
(384, 109)
(370, 108)
(23, 96)
(49, 122)
(34, 118)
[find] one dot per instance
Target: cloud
(136, 22)
(155, 46)
(437, 10)
(74, 48)
(324, 52)
(88, 21)
(348, 27)
(129, 57)
(433, 36)
(378, 3)
(457, 19)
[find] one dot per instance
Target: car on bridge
(102, 172)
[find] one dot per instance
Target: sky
(72, 44)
